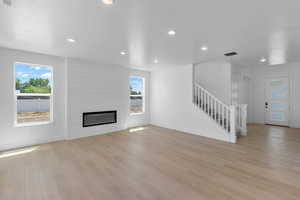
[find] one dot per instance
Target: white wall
(292, 71)
(99, 87)
(79, 86)
(172, 107)
(11, 136)
(216, 78)
(241, 88)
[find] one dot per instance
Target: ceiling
(253, 28)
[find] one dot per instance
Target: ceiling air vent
(231, 54)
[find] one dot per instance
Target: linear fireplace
(99, 118)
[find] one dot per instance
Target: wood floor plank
(157, 163)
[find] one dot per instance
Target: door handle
(266, 105)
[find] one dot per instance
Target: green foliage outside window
(132, 92)
(34, 85)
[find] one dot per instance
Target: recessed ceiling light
(204, 48)
(171, 32)
(263, 60)
(123, 53)
(108, 2)
(71, 40)
(155, 61)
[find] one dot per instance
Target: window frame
(15, 96)
(140, 95)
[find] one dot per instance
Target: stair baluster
(231, 118)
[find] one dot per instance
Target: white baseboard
(21, 144)
(94, 133)
(220, 137)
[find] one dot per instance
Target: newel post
(244, 120)
(232, 133)
(193, 84)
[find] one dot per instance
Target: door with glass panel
(277, 101)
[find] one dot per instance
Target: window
(33, 94)
(137, 99)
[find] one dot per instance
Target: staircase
(231, 118)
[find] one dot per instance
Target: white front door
(277, 101)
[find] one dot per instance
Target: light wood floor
(157, 164)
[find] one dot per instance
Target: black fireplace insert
(99, 118)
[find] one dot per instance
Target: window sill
(33, 124)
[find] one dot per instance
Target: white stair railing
(230, 118)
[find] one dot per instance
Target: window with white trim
(33, 94)
(137, 95)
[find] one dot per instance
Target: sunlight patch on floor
(18, 152)
(132, 130)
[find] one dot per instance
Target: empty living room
(149, 100)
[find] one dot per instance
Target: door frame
(289, 98)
